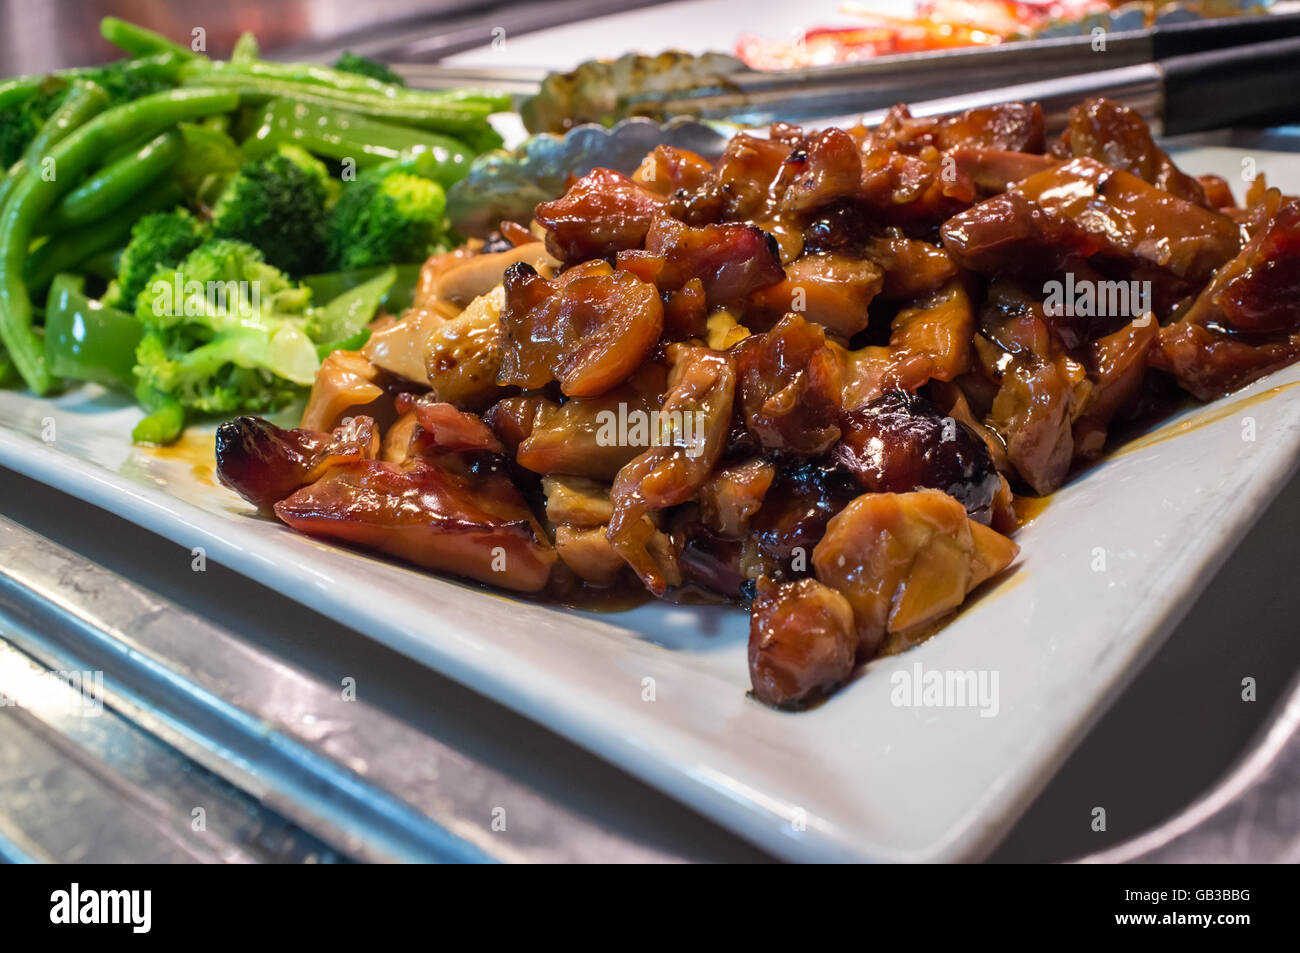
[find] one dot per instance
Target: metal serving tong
(1181, 94)
(717, 86)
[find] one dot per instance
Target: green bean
(83, 102)
(341, 81)
(34, 195)
(19, 89)
(138, 41)
(450, 117)
(340, 134)
(69, 250)
(118, 182)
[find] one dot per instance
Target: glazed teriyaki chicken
(807, 377)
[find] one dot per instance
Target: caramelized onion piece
(802, 641)
(904, 560)
(472, 524)
(344, 384)
(789, 388)
(697, 408)
(900, 442)
(264, 463)
(602, 213)
(589, 333)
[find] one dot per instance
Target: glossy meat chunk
(699, 398)
(802, 641)
(264, 463)
(789, 388)
(832, 290)
(730, 261)
(1111, 133)
(1081, 208)
(601, 214)
(594, 436)
(1034, 412)
(668, 170)
(938, 329)
(741, 184)
(469, 524)
(796, 508)
(906, 559)
(900, 442)
(733, 495)
(1246, 322)
(826, 167)
(589, 333)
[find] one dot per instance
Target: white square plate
(1105, 572)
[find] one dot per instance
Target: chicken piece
(911, 268)
(991, 171)
(667, 170)
(734, 494)
(345, 385)
(904, 560)
(824, 167)
(865, 374)
(463, 356)
(589, 554)
(264, 463)
(1246, 322)
(1116, 364)
(1082, 208)
(471, 524)
(588, 332)
(602, 213)
(686, 312)
(900, 442)
(937, 328)
(1034, 412)
(595, 436)
(701, 389)
(577, 501)
(788, 388)
(1117, 136)
(802, 641)
(832, 290)
(731, 261)
(741, 185)
(1009, 127)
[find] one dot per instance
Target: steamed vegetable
(278, 204)
(396, 217)
(162, 239)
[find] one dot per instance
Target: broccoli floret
(278, 204)
(225, 332)
(351, 62)
(161, 239)
(394, 219)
